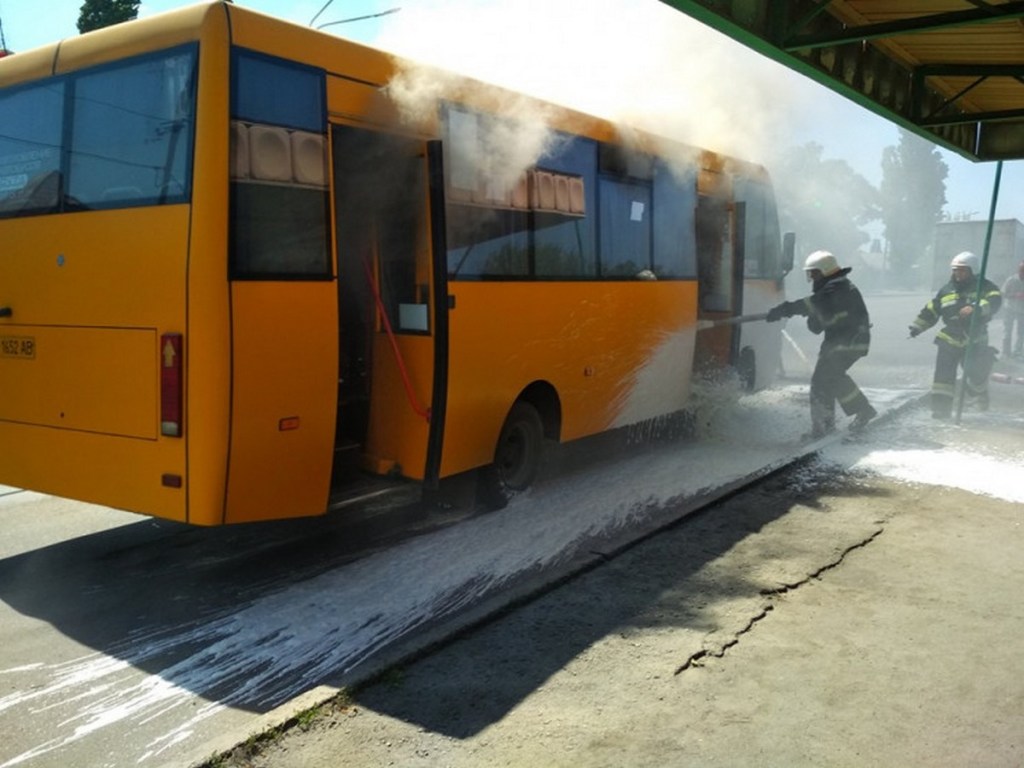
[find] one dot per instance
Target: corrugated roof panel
(908, 60)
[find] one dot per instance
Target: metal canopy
(951, 71)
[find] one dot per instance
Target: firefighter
(965, 312)
(836, 308)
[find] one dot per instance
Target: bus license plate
(23, 347)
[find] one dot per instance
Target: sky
(762, 109)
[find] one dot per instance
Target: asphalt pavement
(860, 609)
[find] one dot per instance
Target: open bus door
(720, 282)
(386, 342)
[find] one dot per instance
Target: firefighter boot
(860, 421)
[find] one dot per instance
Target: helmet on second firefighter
(821, 261)
(966, 259)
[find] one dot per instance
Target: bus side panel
(283, 399)
(119, 473)
(615, 352)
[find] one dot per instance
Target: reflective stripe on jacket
(946, 306)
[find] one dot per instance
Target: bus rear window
(108, 137)
(131, 133)
(30, 149)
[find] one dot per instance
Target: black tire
(517, 456)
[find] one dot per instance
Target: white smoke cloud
(503, 149)
(636, 62)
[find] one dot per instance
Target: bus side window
(565, 239)
(625, 244)
(762, 257)
(279, 200)
(675, 203)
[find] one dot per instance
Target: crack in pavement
(695, 658)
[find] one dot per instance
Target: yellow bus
(240, 274)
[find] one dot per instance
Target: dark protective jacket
(836, 308)
(946, 306)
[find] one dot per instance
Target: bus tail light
(170, 385)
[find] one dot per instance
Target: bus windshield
(107, 137)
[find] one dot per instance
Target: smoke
(638, 63)
(502, 150)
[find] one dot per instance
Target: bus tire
(517, 457)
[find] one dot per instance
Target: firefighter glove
(776, 313)
(914, 331)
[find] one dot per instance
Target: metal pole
(977, 294)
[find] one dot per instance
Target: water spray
(796, 348)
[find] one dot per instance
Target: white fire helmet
(823, 261)
(966, 259)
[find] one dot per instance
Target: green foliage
(824, 201)
(305, 719)
(96, 14)
(913, 193)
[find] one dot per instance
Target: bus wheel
(517, 457)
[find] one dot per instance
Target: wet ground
(860, 609)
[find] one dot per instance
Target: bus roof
(334, 54)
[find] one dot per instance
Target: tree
(96, 14)
(913, 192)
(825, 202)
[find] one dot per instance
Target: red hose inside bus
(409, 392)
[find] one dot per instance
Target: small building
(1006, 250)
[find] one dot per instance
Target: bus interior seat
(577, 201)
(520, 197)
(562, 202)
(239, 150)
(270, 153)
(309, 161)
(542, 191)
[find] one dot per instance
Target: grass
(244, 754)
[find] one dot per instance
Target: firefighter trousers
(830, 383)
(977, 368)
